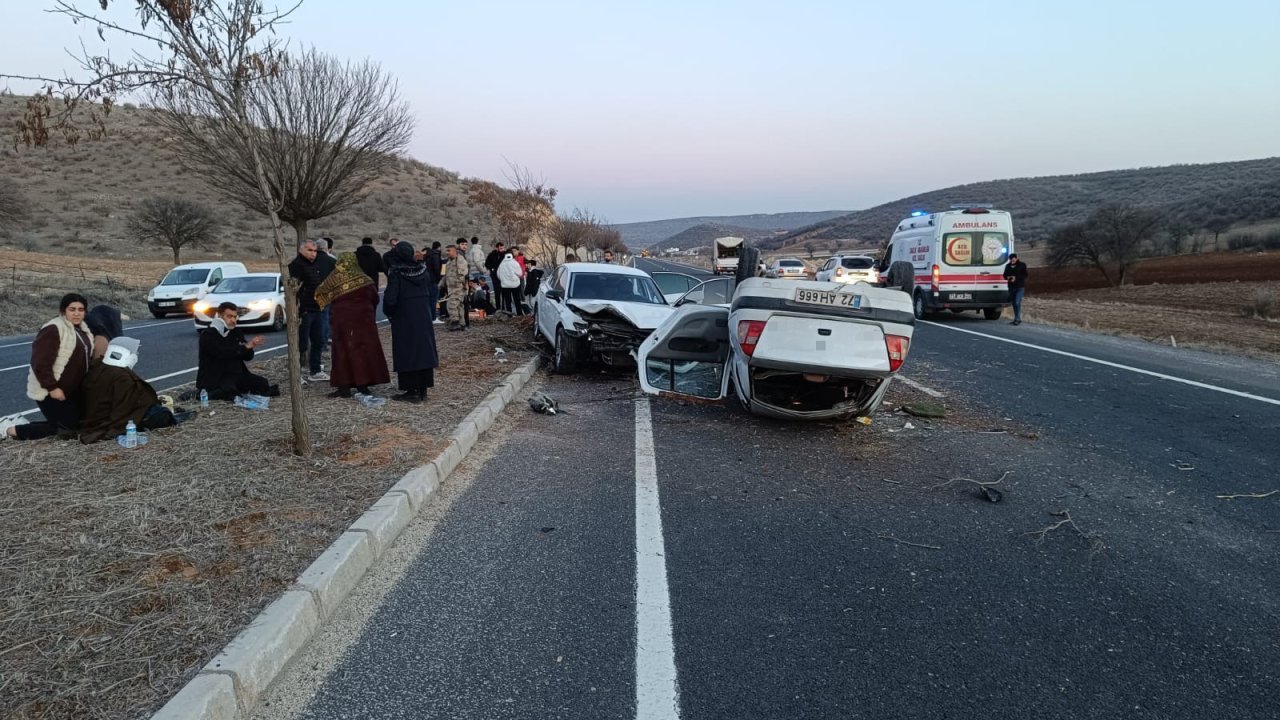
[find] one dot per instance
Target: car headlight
(191, 291)
(151, 294)
(202, 307)
(260, 305)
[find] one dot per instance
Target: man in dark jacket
(435, 269)
(1015, 273)
(491, 263)
(310, 269)
(387, 257)
(369, 259)
(533, 280)
(223, 354)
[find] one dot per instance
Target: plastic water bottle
(204, 399)
(131, 435)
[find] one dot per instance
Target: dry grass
(80, 196)
(125, 571)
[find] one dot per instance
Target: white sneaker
(321, 376)
(9, 422)
(437, 321)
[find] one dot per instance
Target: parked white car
(849, 269)
(593, 311)
(792, 349)
(185, 285)
(260, 297)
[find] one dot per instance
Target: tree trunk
(177, 253)
(301, 428)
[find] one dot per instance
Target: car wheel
(919, 307)
(565, 353)
(992, 313)
(157, 315)
(278, 322)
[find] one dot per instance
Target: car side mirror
(554, 295)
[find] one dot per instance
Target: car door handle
(824, 331)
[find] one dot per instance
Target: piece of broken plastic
(863, 419)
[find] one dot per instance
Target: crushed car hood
(645, 316)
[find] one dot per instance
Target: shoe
(342, 392)
(408, 397)
(10, 422)
(437, 321)
(321, 376)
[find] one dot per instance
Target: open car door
(673, 285)
(688, 354)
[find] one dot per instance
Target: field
(80, 197)
(1175, 270)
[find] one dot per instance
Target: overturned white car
(793, 349)
(593, 311)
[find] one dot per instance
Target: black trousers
(246, 383)
(59, 416)
(311, 338)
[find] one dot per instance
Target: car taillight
(839, 272)
(897, 346)
(937, 277)
(749, 334)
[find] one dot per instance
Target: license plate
(961, 296)
(167, 304)
(833, 299)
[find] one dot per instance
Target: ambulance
(951, 260)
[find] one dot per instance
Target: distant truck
(724, 255)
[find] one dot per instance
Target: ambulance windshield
(979, 247)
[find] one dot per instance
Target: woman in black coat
(407, 303)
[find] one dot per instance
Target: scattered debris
(1095, 541)
(863, 420)
(500, 355)
(543, 403)
(925, 409)
(546, 529)
(900, 541)
(1179, 465)
(908, 426)
(1248, 495)
(986, 489)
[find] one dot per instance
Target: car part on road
(749, 259)
(543, 403)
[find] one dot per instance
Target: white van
(951, 260)
(186, 285)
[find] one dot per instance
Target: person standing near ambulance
(1015, 273)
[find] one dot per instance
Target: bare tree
(211, 53)
(324, 131)
(524, 212)
(1111, 240)
(1217, 225)
(173, 222)
(13, 206)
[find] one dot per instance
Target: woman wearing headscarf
(59, 360)
(509, 278)
(358, 361)
(105, 325)
(407, 303)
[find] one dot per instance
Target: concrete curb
(230, 685)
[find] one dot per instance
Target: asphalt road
(830, 571)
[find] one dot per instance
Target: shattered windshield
(614, 286)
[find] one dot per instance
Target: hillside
(79, 198)
(1238, 191)
(644, 234)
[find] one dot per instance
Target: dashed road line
(657, 697)
(926, 390)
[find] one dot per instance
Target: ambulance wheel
(992, 313)
(918, 306)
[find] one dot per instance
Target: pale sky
(644, 111)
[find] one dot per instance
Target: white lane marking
(1118, 366)
(926, 390)
(14, 345)
(656, 695)
(16, 367)
(131, 327)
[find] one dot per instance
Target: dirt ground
(1175, 270)
(1205, 315)
(125, 571)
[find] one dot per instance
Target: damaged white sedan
(594, 311)
(794, 350)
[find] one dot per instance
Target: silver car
(787, 269)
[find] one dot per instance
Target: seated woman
(223, 353)
(112, 394)
(59, 360)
